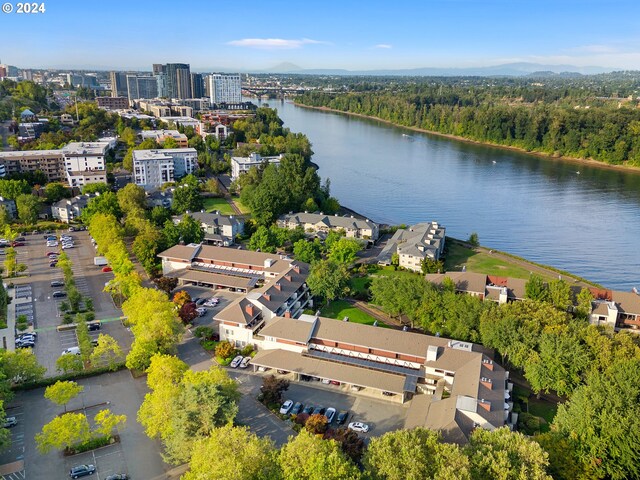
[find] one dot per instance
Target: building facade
(118, 84)
(197, 86)
(160, 136)
(225, 88)
(113, 102)
(84, 163)
(50, 162)
(220, 230)
(69, 209)
(152, 168)
(240, 165)
(141, 87)
(318, 222)
(415, 244)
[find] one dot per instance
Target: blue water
(587, 223)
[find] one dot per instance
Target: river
(575, 217)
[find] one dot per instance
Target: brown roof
(465, 281)
(184, 252)
(213, 278)
(288, 329)
(296, 362)
(628, 302)
(234, 255)
(236, 312)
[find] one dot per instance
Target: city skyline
(451, 34)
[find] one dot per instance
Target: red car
(17, 244)
(107, 269)
(48, 254)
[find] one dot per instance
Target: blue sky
(346, 34)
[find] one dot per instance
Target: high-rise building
(178, 80)
(141, 87)
(118, 84)
(161, 80)
(158, 68)
(225, 88)
(197, 85)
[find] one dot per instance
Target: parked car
(71, 351)
(334, 382)
(2, 252)
(82, 471)
(53, 264)
(57, 283)
(20, 239)
(236, 361)
(118, 476)
(107, 269)
(318, 411)
(66, 246)
(286, 407)
(10, 422)
(94, 342)
(28, 334)
(330, 414)
(245, 362)
(359, 427)
(200, 301)
(201, 311)
(308, 409)
(59, 294)
(15, 243)
(26, 337)
(297, 408)
(212, 302)
(51, 253)
(25, 344)
(342, 417)
(94, 325)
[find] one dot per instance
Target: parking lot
(225, 297)
(90, 281)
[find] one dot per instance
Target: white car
(245, 362)
(330, 413)
(71, 351)
(67, 245)
(211, 302)
(201, 311)
(359, 427)
(52, 244)
(286, 407)
(236, 361)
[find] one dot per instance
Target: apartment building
(113, 103)
(159, 136)
(50, 162)
(84, 162)
(240, 165)
(414, 244)
(70, 209)
(220, 230)
(318, 222)
(225, 88)
(152, 168)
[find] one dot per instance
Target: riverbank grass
(220, 204)
(459, 256)
(339, 309)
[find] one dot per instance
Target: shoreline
(546, 156)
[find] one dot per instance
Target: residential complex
(485, 287)
(159, 136)
(84, 162)
(113, 103)
(224, 88)
(118, 84)
(70, 209)
(318, 222)
(616, 309)
(415, 244)
(220, 230)
(152, 168)
(240, 165)
(50, 162)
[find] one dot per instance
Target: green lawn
(339, 309)
(220, 204)
(542, 408)
(457, 256)
(359, 285)
(243, 208)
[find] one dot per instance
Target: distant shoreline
(577, 161)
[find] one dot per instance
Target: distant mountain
(507, 69)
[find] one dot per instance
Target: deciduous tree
(28, 208)
(106, 421)
(106, 351)
(62, 392)
(344, 251)
(63, 432)
(273, 388)
(328, 280)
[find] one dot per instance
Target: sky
(250, 35)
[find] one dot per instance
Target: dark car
(118, 476)
(82, 471)
(342, 417)
(53, 264)
(57, 283)
(20, 239)
(297, 408)
(308, 409)
(59, 294)
(200, 301)
(95, 325)
(318, 411)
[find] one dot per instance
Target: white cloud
(382, 45)
(273, 43)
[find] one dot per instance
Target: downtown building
(173, 80)
(84, 162)
(141, 87)
(118, 84)
(224, 88)
(153, 168)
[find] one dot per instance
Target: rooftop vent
(268, 262)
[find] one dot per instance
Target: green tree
(602, 420)
(473, 240)
(28, 208)
(536, 288)
(507, 455)
(12, 189)
(307, 457)
(106, 351)
(344, 251)
(106, 421)
(97, 187)
(128, 136)
(21, 366)
(428, 265)
(190, 229)
(263, 240)
(159, 215)
(106, 203)
(56, 191)
(564, 463)
(62, 392)
(63, 432)
(307, 252)
(560, 294)
(233, 453)
(585, 297)
(131, 198)
(186, 198)
(69, 363)
(328, 280)
(413, 455)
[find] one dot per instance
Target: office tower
(178, 80)
(225, 88)
(161, 80)
(118, 84)
(197, 85)
(141, 87)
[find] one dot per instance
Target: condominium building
(220, 230)
(141, 87)
(50, 162)
(118, 84)
(318, 222)
(84, 162)
(178, 79)
(414, 244)
(69, 209)
(225, 88)
(152, 168)
(197, 86)
(240, 165)
(113, 102)
(159, 136)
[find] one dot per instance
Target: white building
(414, 244)
(240, 165)
(225, 88)
(152, 168)
(84, 162)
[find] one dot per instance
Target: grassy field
(339, 309)
(220, 204)
(359, 285)
(243, 208)
(457, 256)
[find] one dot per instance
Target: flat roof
(296, 362)
(30, 153)
(85, 148)
(213, 278)
(289, 329)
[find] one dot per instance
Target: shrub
(88, 303)
(67, 319)
(89, 316)
(246, 351)
(206, 333)
(209, 345)
(64, 306)
(225, 350)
